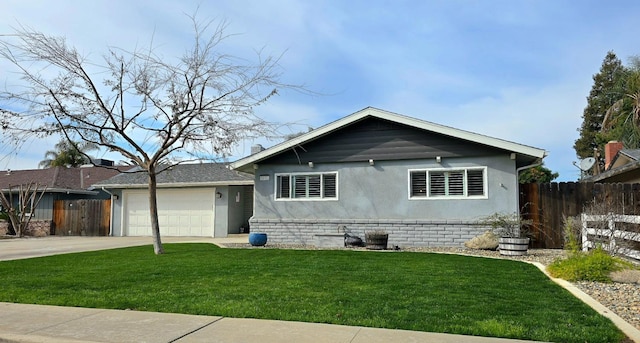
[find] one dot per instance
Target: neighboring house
(205, 200)
(424, 183)
(621, 165)
(60, 183)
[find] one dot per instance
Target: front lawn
(398, 290)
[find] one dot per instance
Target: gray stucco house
(424, 183)
(199, 200)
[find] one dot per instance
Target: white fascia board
(58, 190)
(394, 117)
(178, 184)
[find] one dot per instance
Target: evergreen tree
(622, 120)
(606, 91)
(539, 174)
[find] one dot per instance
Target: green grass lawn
(398, 290)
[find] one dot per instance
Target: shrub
(595, 265)
(572, 234)
(507, 225)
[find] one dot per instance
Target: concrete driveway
(19, 248)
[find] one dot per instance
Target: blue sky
(516, 70)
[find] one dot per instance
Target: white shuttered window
(307, 186)
(448, 183)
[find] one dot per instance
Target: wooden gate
(86, 217)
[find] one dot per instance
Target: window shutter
(314, 186)
(475, 182)
(329, 183)
(299, 186)
(418, 183)
(456, 183)
(283, 190)
(437, 184)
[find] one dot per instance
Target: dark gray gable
(379, 139)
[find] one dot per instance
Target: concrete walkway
(54, 324)
(15, 249)
(37, 323)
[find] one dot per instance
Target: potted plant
(376, 240)
(512, 234)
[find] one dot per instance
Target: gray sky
(516, 70)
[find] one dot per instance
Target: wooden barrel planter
(513, 246)
(257, 239)
(376, 241)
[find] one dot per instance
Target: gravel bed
(621, 298)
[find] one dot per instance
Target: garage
(181, 212)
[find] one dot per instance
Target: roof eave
(614, 172)
(177, 184)
(60, 190)
(245, 164)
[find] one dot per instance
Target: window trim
(449, 197)
(292, 183)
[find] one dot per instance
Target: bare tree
(153, 110)
(20, 210)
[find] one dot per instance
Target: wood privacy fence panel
(86, 217)
(547, 204)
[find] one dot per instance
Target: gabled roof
(59, 179)
(624, 157)
(624, 166)
(181, 175)
(245, 164)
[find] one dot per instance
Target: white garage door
(181, 212)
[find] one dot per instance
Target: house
(621, 165)
(424, 183)
(60, 184)
(205, 200)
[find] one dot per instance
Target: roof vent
(102, 162)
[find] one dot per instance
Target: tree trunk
(153, 210)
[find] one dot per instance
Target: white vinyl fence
(613, 238)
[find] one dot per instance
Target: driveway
(19, 248)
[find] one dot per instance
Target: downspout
(111, 211)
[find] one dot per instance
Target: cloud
(515, 70)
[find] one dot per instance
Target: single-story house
(425, 184)
(60, 183)
(621, 165)
(205, 200)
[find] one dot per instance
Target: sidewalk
(55, 324)
(14, 249)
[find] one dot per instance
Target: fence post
(612, 234)
(585, 233)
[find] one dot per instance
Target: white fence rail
(610, 232)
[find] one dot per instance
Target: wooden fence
(547, 204)
(81, 217)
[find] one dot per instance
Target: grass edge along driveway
(396, 290)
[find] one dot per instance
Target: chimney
(610, 151)
(256, 149)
